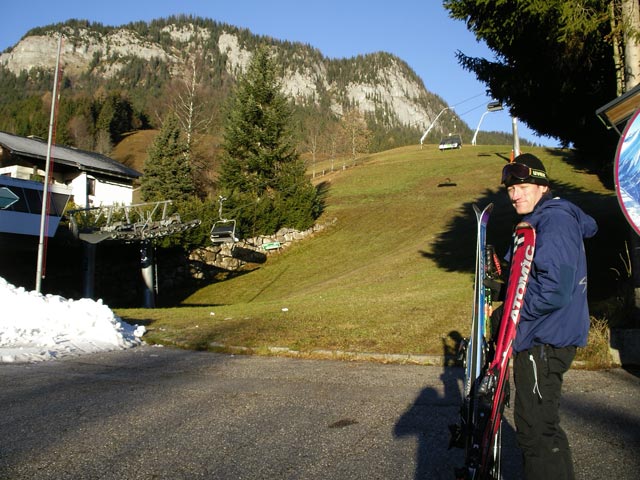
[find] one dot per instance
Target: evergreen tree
(553, 64)
(115, 117)
(261, 173)
(167, 174)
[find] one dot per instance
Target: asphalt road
(159, 413)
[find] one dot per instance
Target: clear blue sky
(420, 32)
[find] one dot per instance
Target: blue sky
(420, 32)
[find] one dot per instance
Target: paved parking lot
(160, 413)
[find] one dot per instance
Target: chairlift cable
(472, 109)
(468, 99)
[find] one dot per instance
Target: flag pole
(45, 188)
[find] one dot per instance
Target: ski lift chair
(223, 230)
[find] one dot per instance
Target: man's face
(525, 196)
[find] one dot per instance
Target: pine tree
(261, 173)
(552, 64)
(167, 174)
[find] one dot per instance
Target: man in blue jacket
(554, 318)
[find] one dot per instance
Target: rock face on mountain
(379, 83)
(78, 52)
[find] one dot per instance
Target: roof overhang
(82, 160)
(76, 166)
(617, 112)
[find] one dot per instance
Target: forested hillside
(118, 80)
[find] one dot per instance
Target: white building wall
(105, 193)
(111, 194)
(79, 189)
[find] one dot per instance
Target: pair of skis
(486, 359)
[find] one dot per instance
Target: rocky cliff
(380, 84)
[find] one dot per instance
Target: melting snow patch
(36, 327)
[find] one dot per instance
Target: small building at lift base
(88, 179)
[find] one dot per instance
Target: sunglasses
(521, 172)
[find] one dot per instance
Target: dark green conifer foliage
(552, 65)
(115, 116)
(167, 173)
(261, 173)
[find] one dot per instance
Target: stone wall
(217, 262)
(234, 256)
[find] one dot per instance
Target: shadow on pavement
(427, 421)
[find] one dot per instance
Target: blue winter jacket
(555, 310)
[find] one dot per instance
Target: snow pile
(35, 327)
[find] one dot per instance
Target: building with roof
(94, 179)
(88, 179)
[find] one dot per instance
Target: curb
(404, 359)
(631, 357)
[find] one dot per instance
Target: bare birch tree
(190, 108)
(194, 116)
(356, 134)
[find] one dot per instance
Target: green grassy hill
(394, 273)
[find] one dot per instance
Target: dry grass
(132, 150)
(596, 354)
(393, 274)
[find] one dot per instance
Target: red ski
(483, 447)
(494, 384)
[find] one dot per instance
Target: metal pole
(432, 124)
(473, 140)
(45, 189)
(516, 139)
(89, 269)
(146, 264)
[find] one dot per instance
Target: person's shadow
(430, 415)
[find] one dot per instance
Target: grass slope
(394, 274)
(132, 149)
